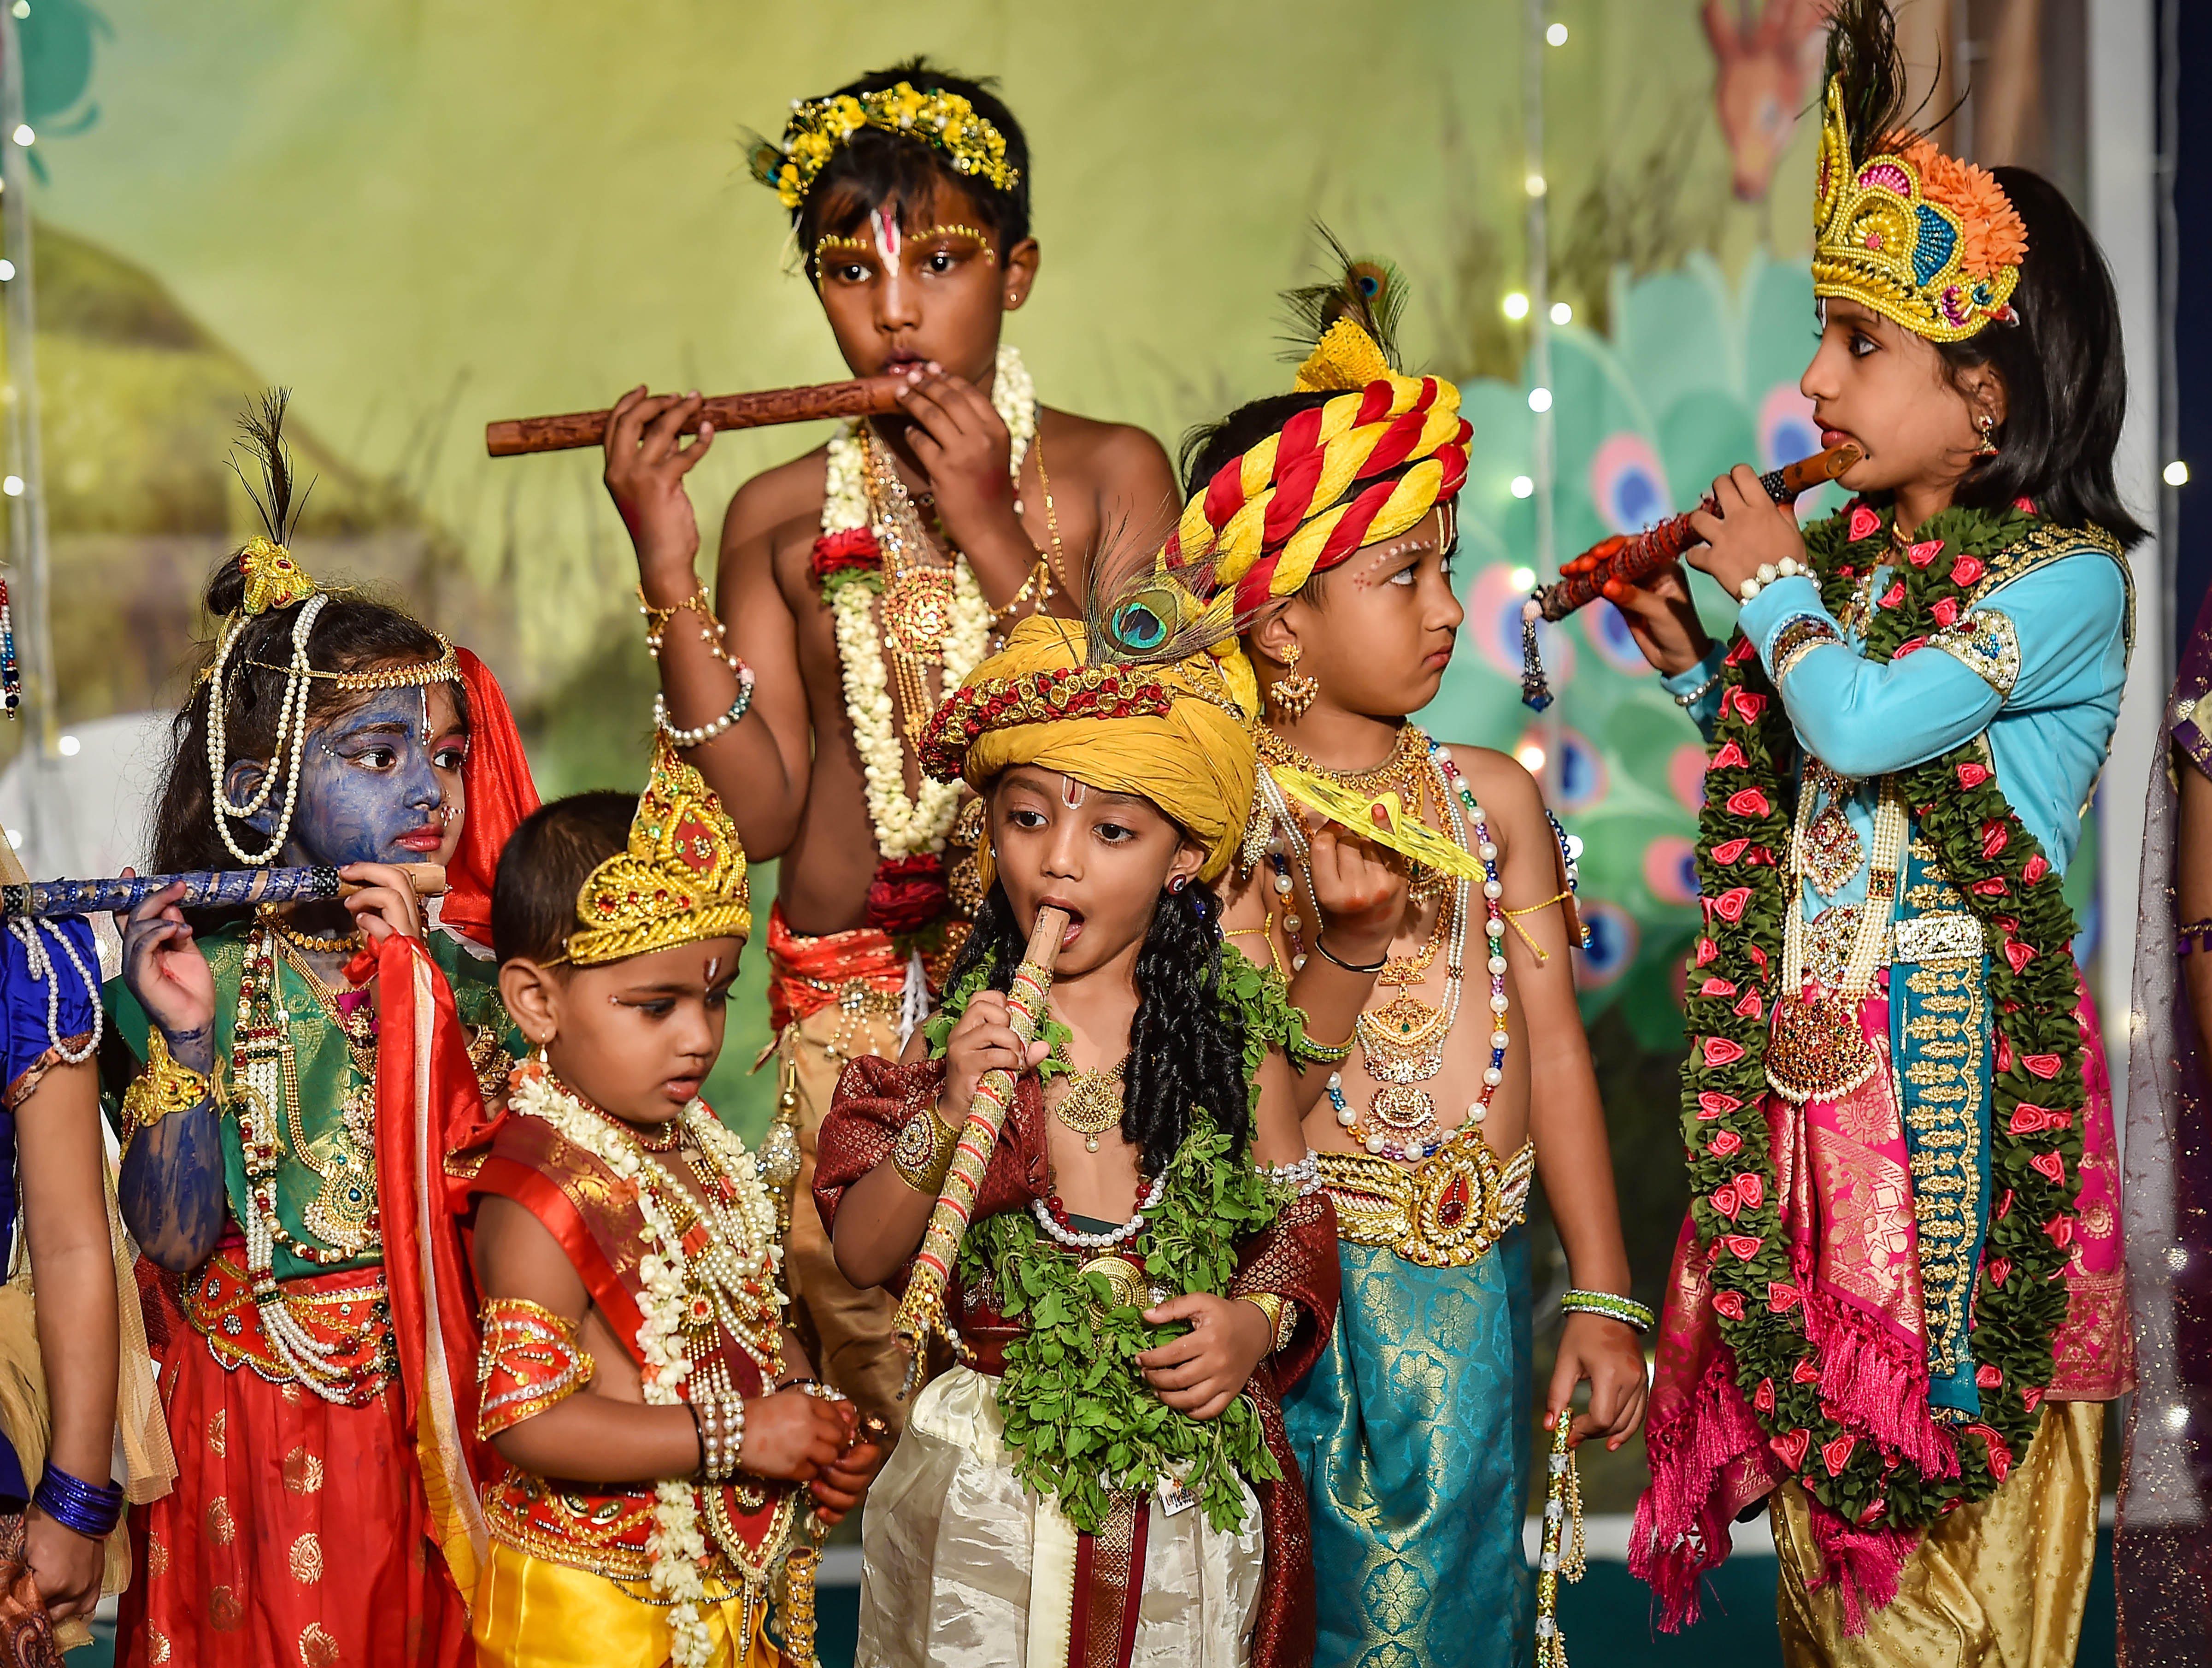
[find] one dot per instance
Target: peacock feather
(1366, 289)
(1140, 612)
(261, 430)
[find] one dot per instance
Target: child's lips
(428, 837)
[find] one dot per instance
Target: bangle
(2196, 934)
(1685, 701)
(735, 1413)
(1610, 1305)
(711, 630)
(1788, 568)
(923, 1152)
(1327, 1054)
(1798, 639)
(698, 1434)
(78, 1506)
(1321, 943)
(721, 1422)
(1282, 1318)
(712, 728)
(1041, 574)
(163, 1088)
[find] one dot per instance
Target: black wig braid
(1186, 1052)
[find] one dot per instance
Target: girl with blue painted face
(270, 1157)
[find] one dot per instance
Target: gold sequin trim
(1446, 1211)
(1986, 644)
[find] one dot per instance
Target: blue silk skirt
(1413, 1434)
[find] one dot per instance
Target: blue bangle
(78, 1506)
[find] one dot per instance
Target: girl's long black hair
(1186, 1052)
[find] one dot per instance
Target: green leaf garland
(2040, 1101)
(1081, 1418)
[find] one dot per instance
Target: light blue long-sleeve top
(2049, 718)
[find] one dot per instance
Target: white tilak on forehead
(1071, 792)
(714, 966)
(885, 227)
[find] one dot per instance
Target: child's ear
(1190, 858)
(1273, 635)
(1019, 272)
(241, 782)
(533, 994)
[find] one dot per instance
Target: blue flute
(208, 889)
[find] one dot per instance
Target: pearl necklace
(291, 719)
(1076, 1239)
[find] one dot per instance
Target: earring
(1179, 883)
(1988, 425)
(1294, 693)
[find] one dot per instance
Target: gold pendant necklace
(916, 605)
(1407, 772)
(1093, 1103)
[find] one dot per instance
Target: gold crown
(682, 880)
(1922, 238)
(818, 126)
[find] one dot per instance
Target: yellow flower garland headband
(682, 880)
(1923, 238)
(818, 126)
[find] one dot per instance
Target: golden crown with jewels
(1922, 238)
(682, 880)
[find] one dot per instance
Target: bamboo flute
(921, 1312)
(869, 395)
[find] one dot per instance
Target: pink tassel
(1876, 1386)
(1866, 1561)
(1681, 1527)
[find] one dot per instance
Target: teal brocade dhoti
(1413, 1433)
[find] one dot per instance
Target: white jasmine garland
(904, 826)
(677, 1544)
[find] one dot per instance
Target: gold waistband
(1445, 1212)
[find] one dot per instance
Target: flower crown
(682, 879)
(818, 126)
(1922, 238)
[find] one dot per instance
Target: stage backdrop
(422, 217)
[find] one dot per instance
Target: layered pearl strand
(1459, 798)
(291, 719)
(41, 968)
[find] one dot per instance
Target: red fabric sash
(806, 974)
(500, 794)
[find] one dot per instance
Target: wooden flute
(866, 396)
(1634, 557)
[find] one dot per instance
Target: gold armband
(163, 1088)
(529, 1361)
(1282, 1316)
(923, 1152)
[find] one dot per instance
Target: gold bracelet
(1282, 1316)
(923, 1151)
(1040, 572)
(163, 1088)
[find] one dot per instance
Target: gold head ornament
(682, 879)
(819, 127)
(274, 577)
(1926, 239)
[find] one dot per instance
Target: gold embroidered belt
(1445, 1212)
(607, 1530)
(348, 1313)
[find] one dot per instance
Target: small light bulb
(23, 134)
(1523, 488)
(12, 486)
(1562, 313)
(7, 271)
(1539, 399)
(1516, 305)
(1523, 579)
(22, 8)
(2176, 473)
(1535, 184)
(70, 746)
(1531, 757)
(1557, 34)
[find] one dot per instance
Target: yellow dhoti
(968, 1568)
(1998, 1584)
(531, 1613)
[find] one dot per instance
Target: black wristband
(1321, 943)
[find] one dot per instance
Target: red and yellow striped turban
(1293, 506)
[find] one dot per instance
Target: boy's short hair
(873, 168)
(544, 866)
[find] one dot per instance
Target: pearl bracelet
(713, 727)
(1789, 567)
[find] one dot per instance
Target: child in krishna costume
(1896, 1309)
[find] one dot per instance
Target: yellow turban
(1170, 732)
